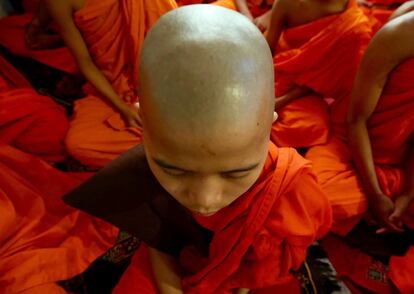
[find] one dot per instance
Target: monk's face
(205, 175)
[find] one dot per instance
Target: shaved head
(207, 70)
(206, 101)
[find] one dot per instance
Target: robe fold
(390, 127)
(114, 32)
(256, 7)
(258, 239)
(59, 58)
(323, 56)
(28, 121)
(42, 240)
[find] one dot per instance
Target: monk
(317, 47)
(206, 125)
(368, 163)
(42, 240)
(105, 38)
(258, 11)
(28, 121)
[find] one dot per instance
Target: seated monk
(317, 46)
(42, 240)
(258, 11)
(28, 121)
(368, 163)
(206, 126)
(105, 37)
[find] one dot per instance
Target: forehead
(195, 151)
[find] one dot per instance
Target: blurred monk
(368, 163)
(206, 125)
(317, 47)
(105, 38)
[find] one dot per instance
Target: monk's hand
(382, 208)
(131, 116)
(401, 204)
(243, 291)
(263, 22)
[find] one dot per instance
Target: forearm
(166, 271)
(362, 154)
(244, 9)
(98, 80)
(295, 93)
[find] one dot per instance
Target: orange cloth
(357, 268)
(29, 121)
(260, 237)
(381, 11)
(256, 7)
(12, 37)
(333, 162)
(114, 32)
(322, 55)
(42, 240)
(402, 271)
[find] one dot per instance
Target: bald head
(206, 71)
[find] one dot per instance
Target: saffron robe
(254, 246)
(29, 121)
(114, 32)
(337, 174)
(42, 240)
(323, 56)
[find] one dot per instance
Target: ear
(275, 116)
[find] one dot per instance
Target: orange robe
(333, 163)
(256, 7)
(322, 55)
(381, 11)
(114, 32)
(256, 245)
(29, 121)
(12, 37)
(42, 240)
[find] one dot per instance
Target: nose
(205, 194)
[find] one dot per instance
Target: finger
(401, 204)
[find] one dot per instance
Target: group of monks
(203, 88)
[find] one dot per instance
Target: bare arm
(403, 9)
(276, 24)
(381, 57)
(295, 93)
(244, 9)
(61, 11)
(166, 271)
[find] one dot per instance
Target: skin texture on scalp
(206, 72)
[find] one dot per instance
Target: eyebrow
(164, 164)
